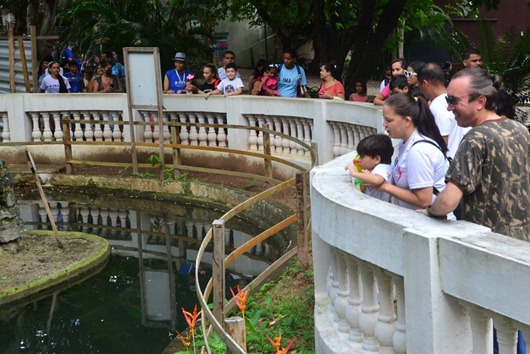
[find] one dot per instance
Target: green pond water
(128, 307)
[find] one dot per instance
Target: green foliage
(109, 24)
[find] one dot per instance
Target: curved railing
(391, 280)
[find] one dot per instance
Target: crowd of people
(460, 154)
(65, 74)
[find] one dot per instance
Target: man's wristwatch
(429, 212)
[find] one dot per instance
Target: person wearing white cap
(175, 79)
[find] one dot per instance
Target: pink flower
(190, 77)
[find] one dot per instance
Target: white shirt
(385, 171)
(442, 116)
(419, 167)
(51, 85)
(226, 85)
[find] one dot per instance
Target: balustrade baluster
(285, 142)
(341, 301)
(334, 287)
(116, 128)
(506, 334)
(84, 212)
(202, 130)
(261, 120)
(309, 137)
(47, 133)
(252, 137)
(354, 301)
(35, 133)
(212, 136)
(148, 129)
(189, 228)
(58, 131)
(43, 215)
(300, 135)
(356, 135)
(98, 132)
(343, 138)
(89, 128)
(270, 122)
(166, 135)
(293, 146)
(386, 321)
(107, 132)
(156, 128)
(183, 135)
(399, 340)
(349, 132)
(336, 139)
(104, 213)
(6, 134)
(222, 135)
(78, 133)
(278, 140)
(369, 309)
(199, 226)
(193, 130)
(113, 216)
(481, 328)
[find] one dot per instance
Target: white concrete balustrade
(336, 127)
(391, 280)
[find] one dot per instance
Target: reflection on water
(130, 306)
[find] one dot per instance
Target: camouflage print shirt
(492, 168)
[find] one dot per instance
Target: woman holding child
(419, 170)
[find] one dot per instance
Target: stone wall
(9, 212)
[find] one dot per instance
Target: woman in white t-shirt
(55, 82)
(418, 172)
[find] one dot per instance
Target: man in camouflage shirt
(491, 168)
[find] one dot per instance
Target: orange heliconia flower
(191, 318)
(185, 341)
(240, 299)
(277, 343)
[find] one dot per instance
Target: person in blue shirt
(291, 78)
(74, 78)
(175, 79)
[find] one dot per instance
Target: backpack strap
(434, 144)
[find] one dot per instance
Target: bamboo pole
(24, 64)
(12, 85)
(34, 59)
(31, 164)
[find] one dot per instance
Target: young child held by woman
(375, 153)
(268, 85)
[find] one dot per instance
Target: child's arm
(214, 92)
(238, 91)
(366, 176)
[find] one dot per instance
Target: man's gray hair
(481, 84)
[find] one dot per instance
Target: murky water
(136, 300)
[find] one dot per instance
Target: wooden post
(218, 270)
(34, 58)
(33, 168)
(175, 140)
(303, 227)
(12, 85)
(267, 150)
(235, 327)
(67, 146)
(24, 64)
